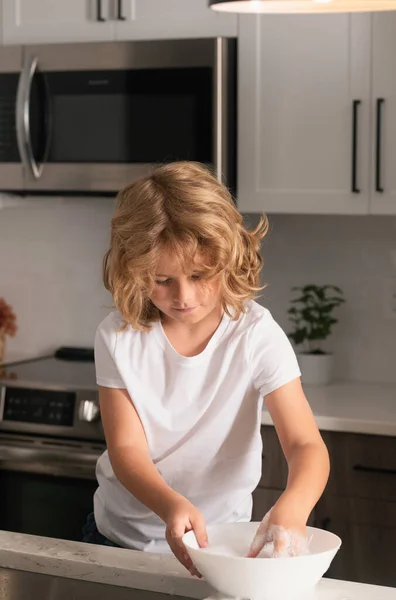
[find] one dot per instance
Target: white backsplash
(51, 273)
(359, 255)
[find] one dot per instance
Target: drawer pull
(378, 470)
(99, 16)
(326, 524)
(378, 158)
(355, 188)
(120, 17)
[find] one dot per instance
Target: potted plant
(313, 320)
(7, 325)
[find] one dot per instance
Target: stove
(51, 437)
(54, 395)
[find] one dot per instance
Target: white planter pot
(316, 369)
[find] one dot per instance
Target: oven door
(47, 485)
(111, 111)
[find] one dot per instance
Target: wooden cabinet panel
(274, 465)
(359, 503)
(263, 501)
(368, 532)
(362, 466)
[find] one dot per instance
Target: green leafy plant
(312, 315)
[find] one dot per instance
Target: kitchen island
(53, 569)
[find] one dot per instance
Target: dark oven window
(137, 116)
(45, 505)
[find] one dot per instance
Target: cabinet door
(160, 19)
(299, 80)
(265, 498)
(52, 21)
(263, 501)
(362, 466)
(367, 529)
(383, 200)
(274, 470)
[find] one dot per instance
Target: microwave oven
(90, 118)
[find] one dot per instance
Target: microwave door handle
(22, 118)
(48, 123)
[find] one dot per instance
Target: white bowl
(225, 567)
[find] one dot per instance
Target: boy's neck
(192, 339)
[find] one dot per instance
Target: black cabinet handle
(325, 523)
(120, 16)
(378, 470)
(378, 186)
(99, 16)
(356, 104)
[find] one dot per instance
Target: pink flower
(7, 319)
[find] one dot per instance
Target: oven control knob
(88, 411)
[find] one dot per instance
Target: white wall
(51, 273)
(359, 255)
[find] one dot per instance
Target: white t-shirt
(201, 417)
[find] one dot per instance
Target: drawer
(359, 511)
(367, 529)
(274, 466)
(362, 466)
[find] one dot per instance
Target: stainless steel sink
(20, 585)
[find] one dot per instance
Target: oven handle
(53, 461)
(22, 120)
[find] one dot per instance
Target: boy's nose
(183, 293)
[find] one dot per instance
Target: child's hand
(181, 517)
(279, 536)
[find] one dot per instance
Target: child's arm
(130, 458)
(306, 455)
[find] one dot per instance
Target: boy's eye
(196, 277)
(163, 281)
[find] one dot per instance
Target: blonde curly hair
(181, 207)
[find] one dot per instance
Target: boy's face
(184, 297)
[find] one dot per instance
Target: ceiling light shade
(301, 6)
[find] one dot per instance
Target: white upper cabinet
(156, 19)
(304, 97)
(56, 21)
(383, 200)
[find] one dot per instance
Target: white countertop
(352, 407)
(138, 570)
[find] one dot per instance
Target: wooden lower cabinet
(362, 466)
(263, 501)
(359, 503)
(274, 466)
(367, 529)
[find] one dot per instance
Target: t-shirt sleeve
(107, 374)
(273, 361)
